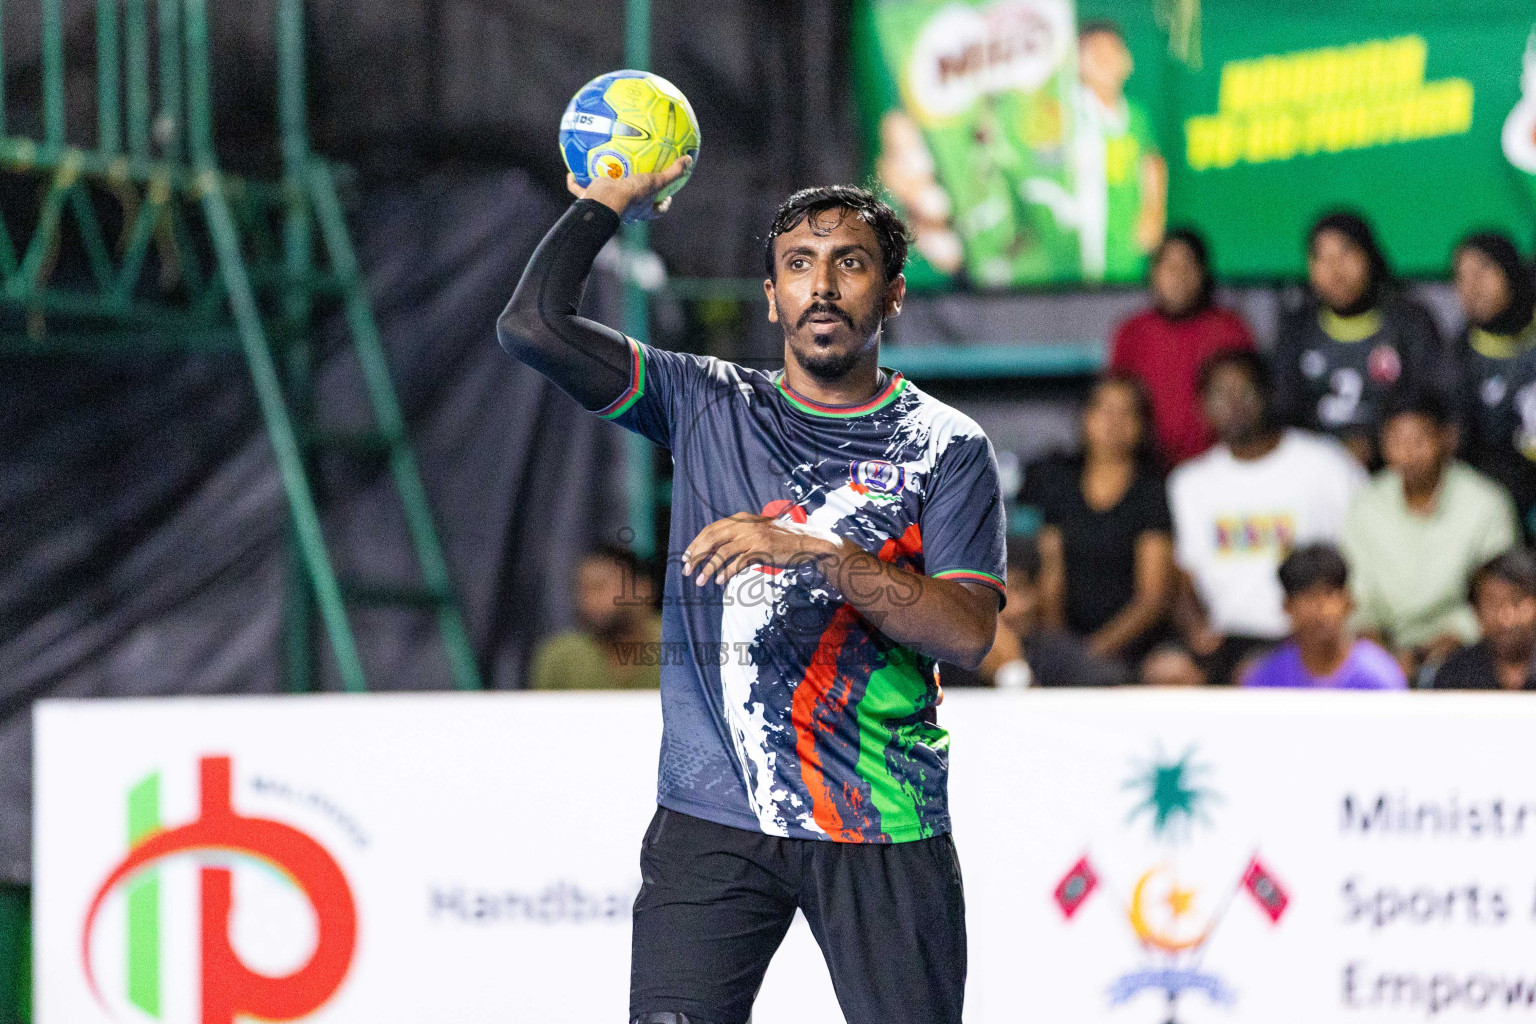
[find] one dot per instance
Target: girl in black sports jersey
(1355, 341)
(1496, 354)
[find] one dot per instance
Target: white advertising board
(1129, 856)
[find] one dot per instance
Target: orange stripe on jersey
(821, 697)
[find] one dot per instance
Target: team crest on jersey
(1384, 364)
(881, 479)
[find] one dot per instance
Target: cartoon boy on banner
(1119, 202)
(1122, 180)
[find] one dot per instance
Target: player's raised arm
(588, 361)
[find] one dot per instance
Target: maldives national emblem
(1172, 914)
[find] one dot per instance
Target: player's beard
(826, 363)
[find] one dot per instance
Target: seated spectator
(1322, 653)
(1504, 597)
(1026, 653)
(1416, 534)
(1165, 345)
(1496, 355)
(1355, 340)
(617, 643)
(1237, 511)
(1106, 547)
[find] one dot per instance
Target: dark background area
(408, 87)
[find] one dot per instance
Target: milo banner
(1130, 857)
(1034, 142)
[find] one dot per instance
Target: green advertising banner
(1042, 142)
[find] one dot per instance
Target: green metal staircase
(184, 256)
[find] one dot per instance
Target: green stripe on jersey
(895, 691)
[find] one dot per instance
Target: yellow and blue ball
(628, 122)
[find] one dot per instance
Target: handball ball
(628, 122)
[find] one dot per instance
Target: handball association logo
(609, 165)
(216, 842)
(1172, 915)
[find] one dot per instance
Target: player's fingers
(739, 563)
(676, 169)
(703, 544)
(709, 568)
(663, 206)
(732, 556)
(571, 186)
(732, 560)
(654, 181)
(724, 540)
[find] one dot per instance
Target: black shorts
(715, 903)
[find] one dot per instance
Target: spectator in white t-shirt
(1238, 510)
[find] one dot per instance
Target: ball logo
(609, 165)
(229, 989)
(580, 121)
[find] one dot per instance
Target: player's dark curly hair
(888, 227)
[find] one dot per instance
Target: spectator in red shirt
(1165, 345)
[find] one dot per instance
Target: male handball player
(835, 532)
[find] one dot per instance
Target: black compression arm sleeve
(588, 361)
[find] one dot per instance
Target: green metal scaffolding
(253, 264)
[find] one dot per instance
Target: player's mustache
(823, 307)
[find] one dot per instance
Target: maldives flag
(1072, 891)
(1264, 888)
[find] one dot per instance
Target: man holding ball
(835, 531)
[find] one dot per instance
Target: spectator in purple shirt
(1322, 653)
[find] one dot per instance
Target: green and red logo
(217, 842)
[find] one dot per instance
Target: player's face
(1176, 279)
(1481, 286)
(1416, 447)
(1103, 62)
(1233, 406)
(1112, 424)
(1507, 615)
(1339, 270)
(829, 292)
(1318, 614)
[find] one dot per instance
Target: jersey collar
(888, 394)
(1501, 346)
(1349, 329)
